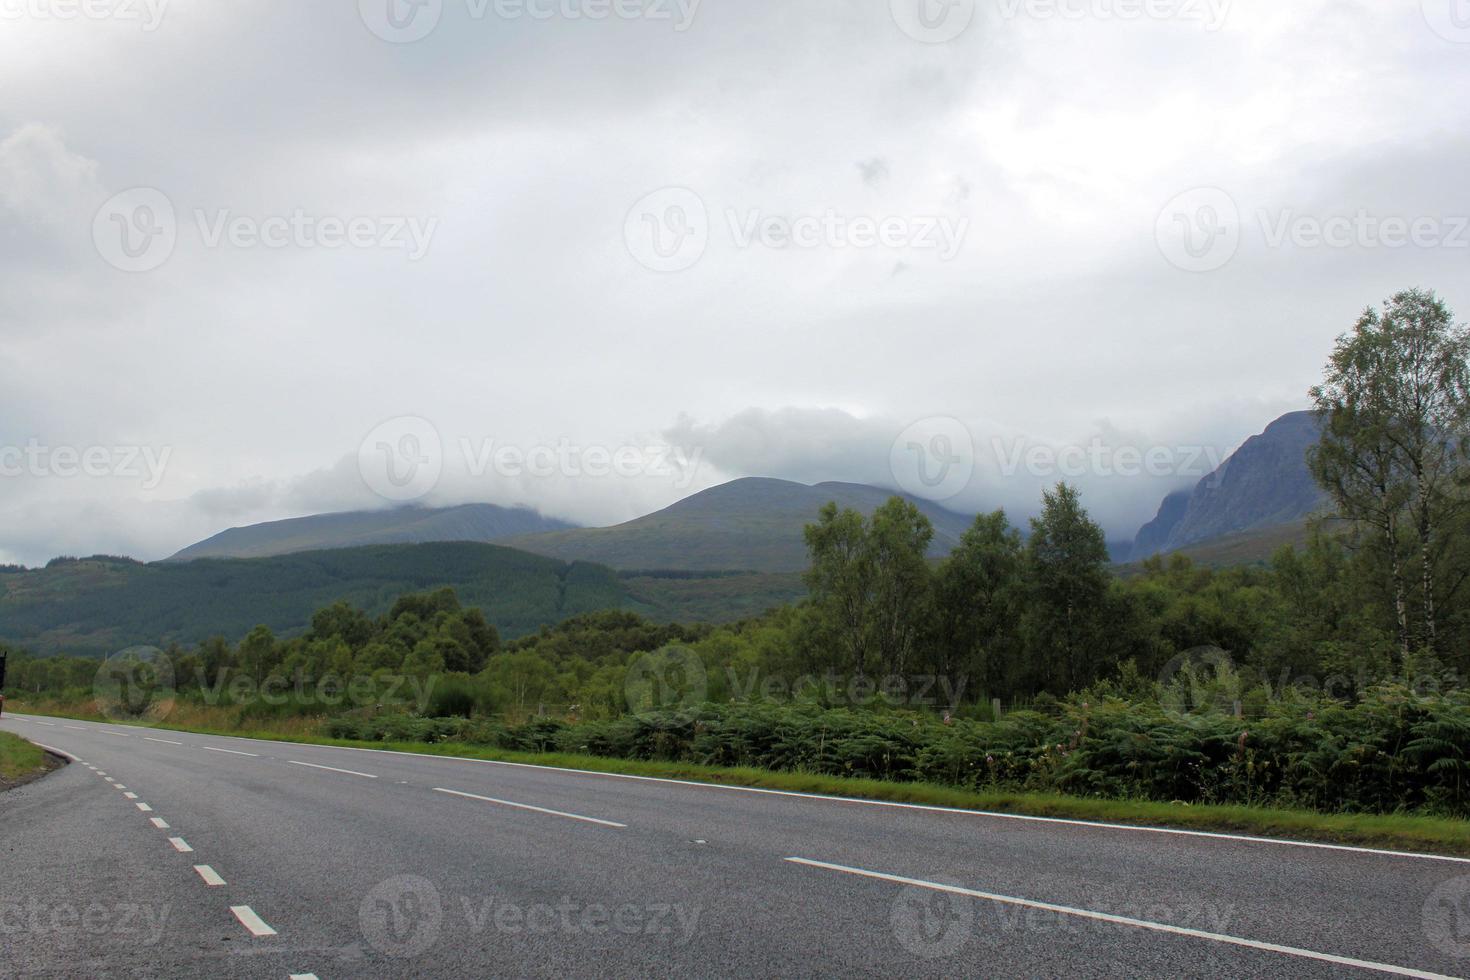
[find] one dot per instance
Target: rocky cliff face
(1266, 482)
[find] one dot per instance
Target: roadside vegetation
(19, 760)
(1321, 691)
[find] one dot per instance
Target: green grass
(18, 758)
(1400, 832)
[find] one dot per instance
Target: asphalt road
(160, 854)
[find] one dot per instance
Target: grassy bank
(19, 760)
(1403, 832)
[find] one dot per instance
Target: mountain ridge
(1266, 483)
(750, 524)
(482, 523)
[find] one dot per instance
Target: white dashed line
(165, 741)
(180, 845)
(211, 748)
(211, 877)
(144, 807)
(1125, 921)
(74, 728)
(158, 822)
(131, 796)
(534, 809)
(251, 921)
(48, 724)
(110, 779)
(303, 976)
(350, 772)
(118, 734)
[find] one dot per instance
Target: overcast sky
(253, 254)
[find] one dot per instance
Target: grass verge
(19, 760)
(1397, 831)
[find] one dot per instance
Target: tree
(1067, 592)
(839, 581)
(977, 604)
(901, 583)
(1394, 405)
(342, 619)
(258, 653)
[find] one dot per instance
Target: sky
(591, 256)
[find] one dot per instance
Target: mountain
(752, 524)
(406, 525)
(100, 605)
(1153, 537)
(1265, 484)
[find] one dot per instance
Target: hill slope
(408, 525)
(101, 605)
(752, 525)
(1264, 484)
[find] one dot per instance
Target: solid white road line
(158, 822)
(1120, 920)
(350, 772)
(211, 877)
(251, 921)
(534, 809)
(1063, 821)
(211, 748)
(955, 811)
(144, 807)
(165, 741)
(180, 845)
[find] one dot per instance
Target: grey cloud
(873, 171)
(529, 321)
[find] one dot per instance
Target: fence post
(995, 708)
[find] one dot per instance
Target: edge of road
(1425, 837)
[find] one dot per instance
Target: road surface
(160, 854)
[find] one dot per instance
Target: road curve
(157, 853)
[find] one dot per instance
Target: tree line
(1378, 591)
